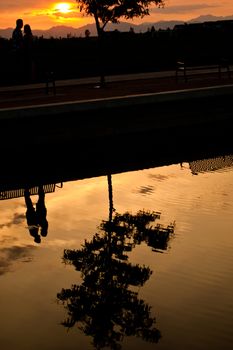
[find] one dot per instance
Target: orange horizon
(50, 13)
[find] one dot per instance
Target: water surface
(133, 292)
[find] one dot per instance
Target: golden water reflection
(189, 292)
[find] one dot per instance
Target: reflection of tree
(104, 306)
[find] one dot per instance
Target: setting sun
(63, 7)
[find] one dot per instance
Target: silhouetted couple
(23, 42)
(36, 217)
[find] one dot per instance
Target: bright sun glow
(63, 7)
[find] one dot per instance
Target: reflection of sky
(43, 14)
(32, 275)
(75, 210)
(8, 256)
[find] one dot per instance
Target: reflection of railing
(19, 192)
(211, 164)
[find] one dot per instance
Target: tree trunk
(101, 48)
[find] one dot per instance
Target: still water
(159, 276)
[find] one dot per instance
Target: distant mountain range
(63, 31)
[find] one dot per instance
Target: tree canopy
(105, 11)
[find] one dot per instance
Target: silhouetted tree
(103, 306)
(105, 11)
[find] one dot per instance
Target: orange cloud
(43, 14)
(188, 9)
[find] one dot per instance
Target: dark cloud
(183, 8)
(8, 239)
(12, 254)
(17, 219)
(146, 190)
(158, 177)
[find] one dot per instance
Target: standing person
(28, 45)
(17, 36)
(17, 43)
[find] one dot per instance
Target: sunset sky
(43, 14)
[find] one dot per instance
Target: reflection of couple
(36, 218)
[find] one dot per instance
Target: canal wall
(97, 118)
